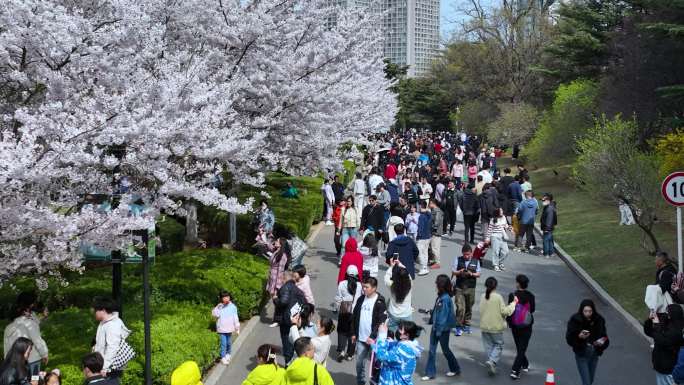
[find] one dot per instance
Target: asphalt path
(558, 293)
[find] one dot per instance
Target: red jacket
(480, 251)
(351, 257)
(390, 171)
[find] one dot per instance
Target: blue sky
(449, 14)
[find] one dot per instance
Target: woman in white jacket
(110, 332)
(399, 283)
(321, 342)
(348, 292)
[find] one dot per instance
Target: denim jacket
(443, 317)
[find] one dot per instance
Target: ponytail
(352, 281)
(490, 284)
(327, 325)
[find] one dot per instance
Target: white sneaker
(273, 325)
(426, 378)
(491, 368)
(497, 268)
(329, 223)
(424, 272)
(450, 374)
(226, 359)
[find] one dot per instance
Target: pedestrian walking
(549, 220)
(411, 222)
(526, 214)
(278, 261)
(667, 341)
(442, 319)
(27, 325)
(338, 188)
(267, 371)
(369, 312)
(288, 297)
(497, 234)
(520, 323)
(351, 257)
(586, 334)
(372, 218)
(328, 201)
(450, 201)
(398, 281)
(466, 270)
(348, 291)
(493, 313)
(398, 354)
(404, 249)
(369, 252)
(437, 217)
(227, 323)
(111, 333)
(348, 222)
(359, 191)
(395, 218)
(470, 206)
(423, 238)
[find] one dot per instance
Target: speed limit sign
(673, 188)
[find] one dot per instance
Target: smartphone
(35, 378)
(395, 256)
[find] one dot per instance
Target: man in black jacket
(548, 219)
(370, 311)
(288, 296)
(470, 207)
(489, 202)
(338, 189)
(372, 217)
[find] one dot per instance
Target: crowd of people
(411, 195)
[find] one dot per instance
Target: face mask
(546, 203)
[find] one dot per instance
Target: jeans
(465, 299)
(528, 229)
(363, 352)
(493, 345)
(664, 379)
(347, 232)
(500, 250)
(586, 365)
(435, 245)
(393, 322)
(226, 344)
(450, 218)
(548, 242)
(521, 336)
(443, 339)
(423, 246)
(469, 224)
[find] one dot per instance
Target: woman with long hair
(14, 369)
(267, 371)
(497, 234)
(278, 261)
(399, 282)
(348, 291)
(320, 341)
(442, 319)
(348, 223)
(493, 313)
(667, 340)
(587, 336)
(398, 354)
(369, 251)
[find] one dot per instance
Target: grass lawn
(589, 231)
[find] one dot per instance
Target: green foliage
(612, 167)
(184, 289)
(349, 172)
(171, 233)
(475, 116)
(569, 118)
(515, 125)
(670, 150)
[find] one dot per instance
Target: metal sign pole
(679, 236)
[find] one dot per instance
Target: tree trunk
(191, 223)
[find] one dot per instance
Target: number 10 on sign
(673, 192)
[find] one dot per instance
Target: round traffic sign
(673, 188)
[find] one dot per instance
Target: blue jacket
(394, 192)
(408, 252)
(678, 371)
(527, 211)
(515, 191)
(443, 316)
(424, 226)
(398, 360)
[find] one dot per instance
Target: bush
(184, 288)
(670, 149)
(571, 115)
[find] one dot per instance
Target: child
(53, 378)
(369, 252)
(227, 323)
(466, 270)
(481, 250)
(267, 370)
(303, 283)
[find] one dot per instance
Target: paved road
(558, 292)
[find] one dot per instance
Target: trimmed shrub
(172, 235)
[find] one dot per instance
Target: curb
(597, 289)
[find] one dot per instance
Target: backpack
(521, 316)
(677, 290)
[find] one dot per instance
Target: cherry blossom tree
(148, 100)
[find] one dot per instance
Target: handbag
(346, 307)
(123, 356)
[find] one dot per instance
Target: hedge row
(184, 289)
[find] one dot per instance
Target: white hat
(352, 270)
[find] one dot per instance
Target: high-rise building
(410, 28)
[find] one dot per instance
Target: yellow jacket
(493, 313)
(301, 372)
(266, 374)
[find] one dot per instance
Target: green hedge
(184, 288)
(172, 235)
